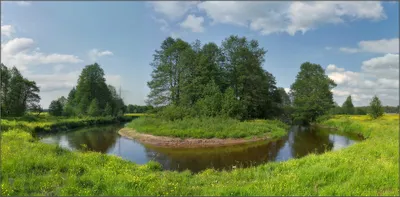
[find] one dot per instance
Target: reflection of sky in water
(340, 142)
(130, 150)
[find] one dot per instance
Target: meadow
(209, 127)
(370, 167)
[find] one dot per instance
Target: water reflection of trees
(306, 140)
(98, 139)
(219, 158)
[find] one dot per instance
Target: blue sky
(50, 42)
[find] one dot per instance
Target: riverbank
(51, 124)
(368, 168)
(172, 142)
(208, 128)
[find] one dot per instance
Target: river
(299, 142)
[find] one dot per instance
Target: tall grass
(208, 127)
(367, 168)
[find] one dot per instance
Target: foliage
(194, 76)
(94, 108)
(138, 108)
(376, 109)
(217, 127)
(108, 110)
(56, 108)
(368, 168)
(17, 94)
(92, 86)
(348, 107)
(312, 93)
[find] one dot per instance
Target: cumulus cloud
(274, 17)
(7, 30)
(96, 53)
(375, 46)
(378, 76)
(22, 53)
(290, 17)
(172, 9)
(195, 24)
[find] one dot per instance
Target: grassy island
(206, 128)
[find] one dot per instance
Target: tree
(108, 110)
(91, 85)
(210, 105)
(55, 108)
(312, 93)
(348, 107)
(284, 97)
(69, 109)
(376, 109)
(18, 94)
(94, 109)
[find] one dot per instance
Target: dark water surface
(298, 143)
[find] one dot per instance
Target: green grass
(209, 127)
(370, 167)
(51, 124)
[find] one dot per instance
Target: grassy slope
(367, 168)
(208, 127)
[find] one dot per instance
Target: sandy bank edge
(172, 142)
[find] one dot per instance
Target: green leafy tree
(312, 93)
(18, 94)
(210, 105)
(376, 109)
(348, 107)
(70, 106)
(94, 109)
(231, 105)
(108, 110)
(91, 85)
(56, 108)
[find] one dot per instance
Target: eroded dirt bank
(163, 141)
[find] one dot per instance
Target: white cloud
(290, 17)
(375, 46)
(378, 76)
(95, 53)
(20, 52)
(193, 23)
(7, 30)
(172, 9)
(328, 48)
(333, 68)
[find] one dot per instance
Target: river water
(299, 142)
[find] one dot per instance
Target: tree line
(17, 94)
(349, 109)
(195, 80)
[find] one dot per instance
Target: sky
(357, 43)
